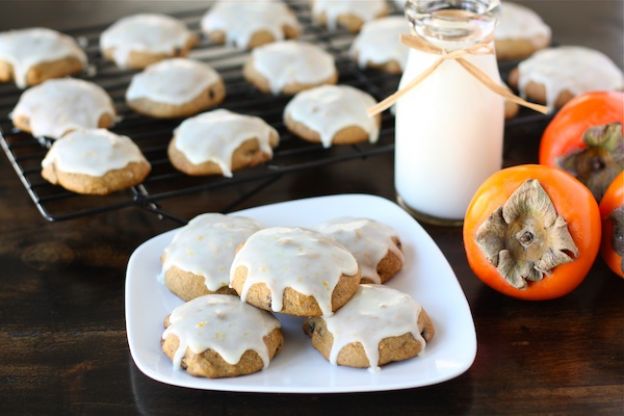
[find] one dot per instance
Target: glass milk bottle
(449, 128)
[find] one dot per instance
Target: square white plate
(299, 368)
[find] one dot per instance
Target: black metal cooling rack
(152, 136)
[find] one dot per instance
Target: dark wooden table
(63, 347)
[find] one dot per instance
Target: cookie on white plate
(219, 142)
(176, 87)
(31, 56)
(58, 106)
(378, 45)
(332, 114)
(140, 40)
(249, 24)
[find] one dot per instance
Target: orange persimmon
(532, 232)
(585, 139)
(612, 212)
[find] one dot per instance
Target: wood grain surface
(63, 347)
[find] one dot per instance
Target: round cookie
(220, 336)
(332, 114)
(58, 106)
(378, 326)
(553, 76)
(175, 88)
(519, 32)
(31, 56)
(94, 162)
(289, 67)
(375, 246)
(350, 14)
(249, 24)
(197, 261)
(142, 39)
(378, 45)
(219, 142)
(294, 271)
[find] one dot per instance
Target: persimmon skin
(613, 198)
(564, 133)
(571, 199)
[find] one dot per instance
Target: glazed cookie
(289, 67)
(142, 39)
(249, 24)
(220, 336)
(520, 32)
(555, 75)
(94, 162)
(294, 271)
(197, 261)
(332, 114)
(350, 14)
(378, 326)
(31, 56)
(58, 106)
(375, 246)
(219, 142)
(175, 88)
(379, 46)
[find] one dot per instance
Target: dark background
(63, 347)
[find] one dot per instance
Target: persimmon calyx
(617, 216)
(601, 161)
(525, 238)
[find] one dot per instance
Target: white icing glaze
(379, 42)
(520, 22)
(206, 247)
(369, 241)
(330, 108)
(92, 152)
(223, 324)
(241, 19)
(26, 48)
(215, 135)
(288, 62)
(375, 312)
(574, 68)
(304, 260)
(149, 33)
(172, 81)
(59, 105)
(332, 9)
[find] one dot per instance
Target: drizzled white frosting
(206, 247)
(173, 81)
(369, 241)
(332, 9)
(223, 324)
(92, 152)
(241, 19)
(519, 22)
(330, 108)
(574, 68)
(26, 48)
(59, 105)
(288, 62)
(375, 312)
(304, 260)
(379, 42)
(215, 135)
(149, 33)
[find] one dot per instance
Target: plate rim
(299, 389)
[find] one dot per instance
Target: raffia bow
(482, 48)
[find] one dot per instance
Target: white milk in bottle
(449, 128)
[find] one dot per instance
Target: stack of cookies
(234, 275)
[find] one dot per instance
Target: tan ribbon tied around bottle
(482, 48)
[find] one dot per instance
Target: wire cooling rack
(152, 136)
